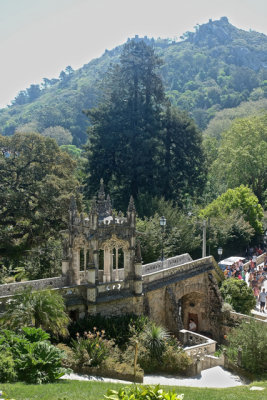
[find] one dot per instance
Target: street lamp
(162, 222)
(220, 251)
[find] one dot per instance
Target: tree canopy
(240, 199)
(137, 142)
(36, 182)
(242, 156)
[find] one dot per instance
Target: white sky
(39, 38)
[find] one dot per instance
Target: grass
(77, 390)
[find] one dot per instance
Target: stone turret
(131, 213)
(101, 246)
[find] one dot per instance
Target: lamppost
(162, 222)
(220, 251)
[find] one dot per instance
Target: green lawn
(75, 390)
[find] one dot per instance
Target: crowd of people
(251, 273)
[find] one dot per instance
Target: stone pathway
(215, 377)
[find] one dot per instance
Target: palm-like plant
(44, 309)
(155, 337)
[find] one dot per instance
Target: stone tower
(101, 248)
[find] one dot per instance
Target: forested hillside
(216, 67)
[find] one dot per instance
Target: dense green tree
(60, 134)
(183, 167)
(250, 337)
(182, 233)
(137, 143)
(43, 309)
(242, 156)
(230, 231)
(237, 293)
(241, 199)
(36, 182)
(124, 137)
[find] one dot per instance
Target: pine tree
(124, 139)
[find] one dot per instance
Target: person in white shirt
(192, 325)
(262, 299)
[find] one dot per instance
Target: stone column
(65, 267)
(111, 265)
(85, 263)
(106, 277)
(138, 284)
(117, 265)
(75, 267)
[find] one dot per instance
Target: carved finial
(131, 206)
(101, 192)
(138, 256)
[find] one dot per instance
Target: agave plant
(155, 337)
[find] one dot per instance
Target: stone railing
(196, 344)
(183, 268)
(170, 262)
(48, 283)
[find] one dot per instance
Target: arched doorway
(194, 309)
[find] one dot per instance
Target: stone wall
(40, 284)
(170, 262)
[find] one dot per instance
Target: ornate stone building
(101, 248)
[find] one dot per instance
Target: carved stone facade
(101, 248)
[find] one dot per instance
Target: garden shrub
(175, 361)
(239, 295)
(35, 334)
(159, 351)
(7, 367)
(115, 327)
(41, 364)
(34, 361)
(250, 337)
(68, 360)
(92, 348)
(135, 392)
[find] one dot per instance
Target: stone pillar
(126, 254)
(65, 267)
(91, 275)
(138, 284)
(117, 265)
(111, 265)
(106, 276)
(96, 261)
(75, 267)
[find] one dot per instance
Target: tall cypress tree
(137, 143)
(124, 139)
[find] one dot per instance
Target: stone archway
(194, 306)
(111, 258)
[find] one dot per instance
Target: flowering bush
(92, 348)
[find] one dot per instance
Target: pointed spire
(101, 192)
(131, 206)
(108, 204)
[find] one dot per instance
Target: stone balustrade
(196, 344)
(168, 263)
(40, 284)
(185, 267)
